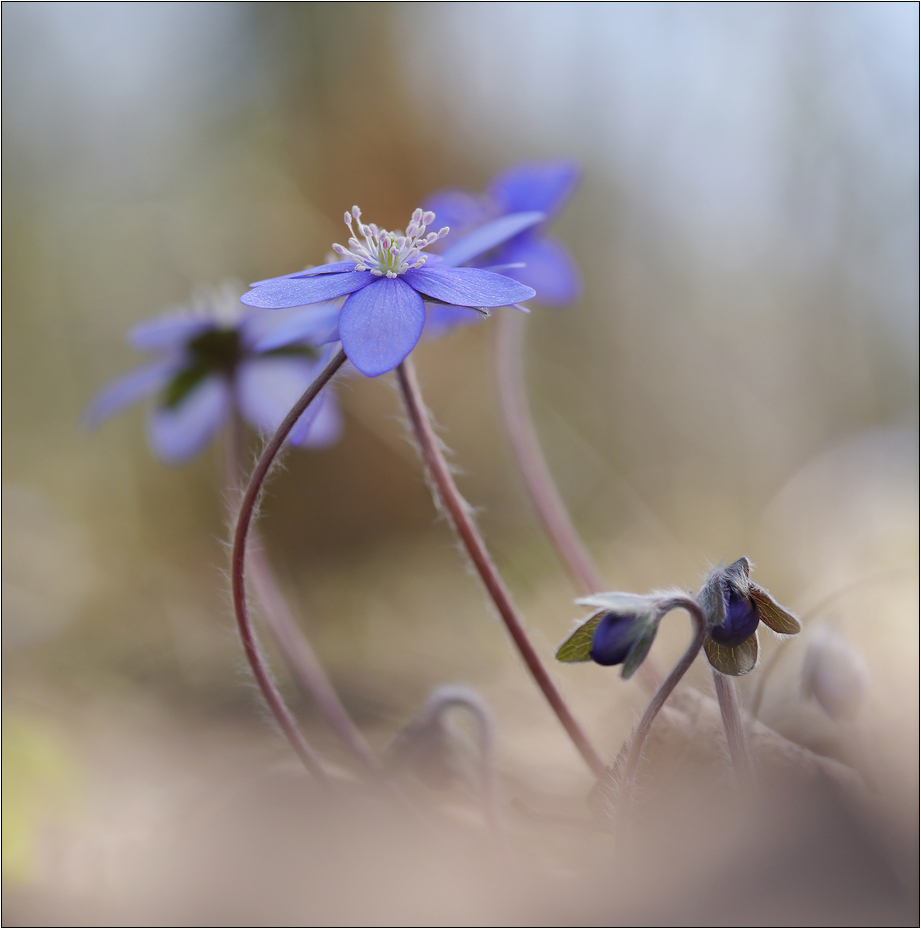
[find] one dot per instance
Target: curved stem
(550, 509)
(541, 488)
(271, 693)
(438, 704)
(294, 644)
(728, 699)
(459, 514)
(665, 691)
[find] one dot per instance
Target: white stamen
(389, 254)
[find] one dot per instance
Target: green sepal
(772, 614)
(637, 655)
(579, 644)
(183, 384)
(736, 661)
(302, 351)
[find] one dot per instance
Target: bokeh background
(739, 377)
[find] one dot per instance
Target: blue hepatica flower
(537, 260)
(208, 367)
(386, 281)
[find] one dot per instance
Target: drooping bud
(613, 638)
(621, 631)
(735, 606)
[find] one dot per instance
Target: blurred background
(739, 377)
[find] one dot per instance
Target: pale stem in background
(459, 514)
(542, 489)
(728, 698)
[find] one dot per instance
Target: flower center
(388, 254)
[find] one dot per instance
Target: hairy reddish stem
(458, 512)
(294, 644)
(270, 692)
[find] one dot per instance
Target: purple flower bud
(741, 620)
(614, 636)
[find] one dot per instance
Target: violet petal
(548, 268)
(467, 286)
(282, 293)
(128, 389)
(544, 186)
(380, 325)
(180, 432)
(489, 236)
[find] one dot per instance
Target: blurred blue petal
(128, 389)
(180, 432)
(544, 186)
(317, 323)
(268, 386)
(536, 188)
(548, 268)
(440, 318)
(459, 210)
(321, 424)
(489, 236)
(167, 332)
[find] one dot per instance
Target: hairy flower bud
(735, 606)
(613, 638)
(621, 631)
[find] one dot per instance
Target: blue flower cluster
(221, 359)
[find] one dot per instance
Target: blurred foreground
(202, 821)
